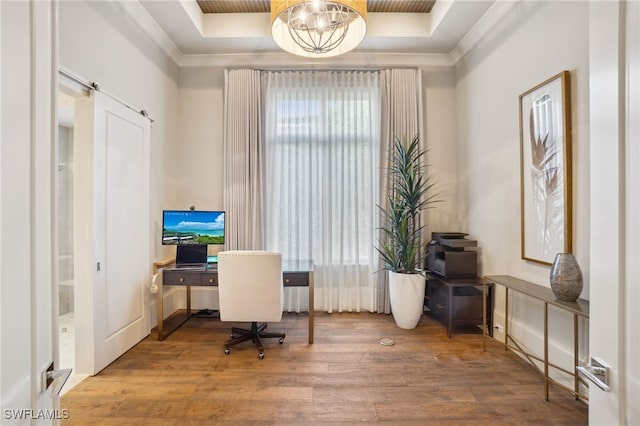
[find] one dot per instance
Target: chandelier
(318, 28)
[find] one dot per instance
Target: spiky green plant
(400, 244)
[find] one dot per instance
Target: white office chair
(250, 289)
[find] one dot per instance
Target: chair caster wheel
(261, 355)
(227, 351)
(281, 340)
(232, 335)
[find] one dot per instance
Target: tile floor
(67, 350)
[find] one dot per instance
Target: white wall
(200, 156)
(98, 43)
(201, 114)
(535, 41)
(440, 140)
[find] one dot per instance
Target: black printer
(447, 257)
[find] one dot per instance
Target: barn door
(111, 213)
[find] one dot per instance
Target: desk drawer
(210, 278)
(180, 278)
(296, 279)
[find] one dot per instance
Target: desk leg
(546, 351)
(188, 301)
(159, 307)
(484, 314)
(311, 306)
(160, 310)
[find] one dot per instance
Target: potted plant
(400, 244)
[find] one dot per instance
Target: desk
(579, 308)
(294, 274)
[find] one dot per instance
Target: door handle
(57, 378)
(597, 372)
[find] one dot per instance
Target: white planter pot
(406, 293)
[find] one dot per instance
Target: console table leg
(546, 351)
(576, 381)
(506, 318)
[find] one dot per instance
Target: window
(322, 140)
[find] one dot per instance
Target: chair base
(239, 335)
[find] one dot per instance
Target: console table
(579, 308)
(295, 273)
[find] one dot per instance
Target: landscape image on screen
(192, 227)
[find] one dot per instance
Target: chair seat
(256, 334)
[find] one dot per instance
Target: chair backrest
(250, 285)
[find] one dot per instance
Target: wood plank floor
(345, 377)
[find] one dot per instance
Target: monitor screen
(192, 227)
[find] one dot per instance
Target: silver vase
(566, 277)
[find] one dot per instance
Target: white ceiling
(196, 39)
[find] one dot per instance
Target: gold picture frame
(545, 169)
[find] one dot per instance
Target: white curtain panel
(322, 160)
(401, 106)
(244, 160)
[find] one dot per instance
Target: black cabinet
(457, 302)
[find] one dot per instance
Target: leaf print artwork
(544, 146)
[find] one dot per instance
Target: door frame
(28, 312)
(76, 90)
(614, 53)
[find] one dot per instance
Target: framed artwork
(545, 169)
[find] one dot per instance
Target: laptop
(191, 256)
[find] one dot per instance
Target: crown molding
(150, 27)
(353, 59)
(283, 59)
(484, 26)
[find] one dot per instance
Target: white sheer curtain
(244, 168)
(322, 161)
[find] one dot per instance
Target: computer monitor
(192, 227)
